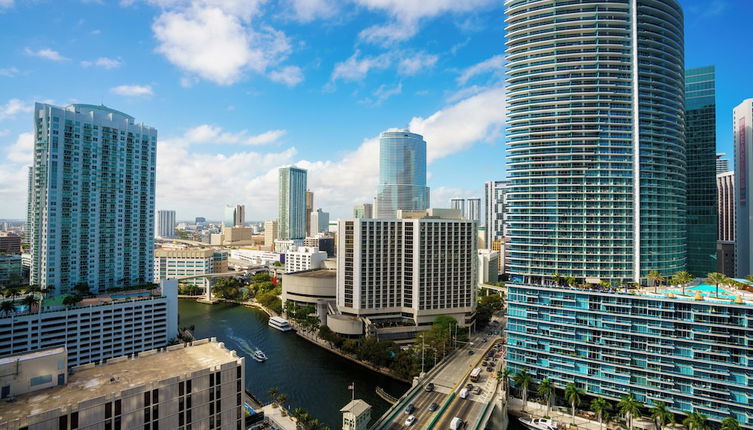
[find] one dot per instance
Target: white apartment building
(742, 130)
(101, 328)
(304, 258)
(488, 267)
(255, 257)
(319, 222)
(91, 198)
(408, 270)
(177, 263)
(165, 224)
(198, 385)
(495, 199)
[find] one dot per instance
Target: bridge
(211, 276)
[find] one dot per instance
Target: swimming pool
(129, 295)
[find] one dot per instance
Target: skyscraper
(309, 210)
(722, 164)
(474, 210)
(364, 211)
(165, 223)
(725, 245)
(91, 212)
(235, 216)
(402, 173)
(743, 143)
(458, 203)
(700, 138)
(494, 216)
(596, 167)
(292, 203)
(319, 222)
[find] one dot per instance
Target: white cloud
(22, 150)
(290, 76)
(383, 93)
(14, 106)
(355, 69)
(103, 62)
(412, 64)
(10, 72)
(46, 53)
(213, 134)
(132, 90)
(494, 64)
(309, 10)
(5, 4)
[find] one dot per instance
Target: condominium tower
(309, 210)
(165, 223)
(722, 164)
(458, 204)
(596, 152)
(91, 211)
(402, 173)
(494, 214)
(725, 245)
(319, 222)
(291, 203)
(363, 211)
(235, 216)
(473, 212)
(742, 130)
(700, 138)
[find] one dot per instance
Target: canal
(313, 378)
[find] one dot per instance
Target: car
(477, 391)
(470, 352)
(490, 369)
(411, 419)
(429, 387)
(469, 386)
(484, 364)
(433, 407)
(410, 409)
(456, 423)
(464, 393)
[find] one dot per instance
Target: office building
(200, 220)
(402, 173)
(585, 197)
(402, 273)
(270, 233)
(196, 385)
(91, 214)
(98, 328)
(700, 144)
(180, 263)
(292, 214)
(488, 267)
(255, 257)
(324, 241)
(722, 164)
(319, 222)
(11, 269)
(458, 204)
(10, 243)
(725, 246)
(235, 216)
(494, 214)
(165, 224)
(742, 130)
(303, 258)
(309, 210)
(283, 246)
(356, 415)
(364, 211)
(473, 212)
(316, 287)
(689, 351)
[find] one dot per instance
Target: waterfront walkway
(275, 417)
(562, 415)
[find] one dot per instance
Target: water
(313, 378)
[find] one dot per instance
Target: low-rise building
(325, 242)
(10, 268)
(310, 288)
(304, 258)
(255, 257)
(356, 415)
(198, 385)
(178, 263)
(10, 243)
(32, 371)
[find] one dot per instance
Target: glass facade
(402, 173)
(596, 155)
(292, 203)
(700, 137)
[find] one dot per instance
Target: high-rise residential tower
(235, 216)
(700, 138)
(165, 223)
(402, 173)
(725, 246)
(458, 204)
(291, 204)
(319, 222)
(722, 164)
(596, 151)
(91, 211)
(494, 216)
(364, 211)
(309, 210)
(473, 212)
(742, 130)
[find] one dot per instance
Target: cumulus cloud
(357, 67)
(494, 65)
(415, 63)
(213, 134)
(5, 4)
(103, 62)
(9, 72)
(309, 10)
(13, 107)
(46, 53)
(22, 150)
(290, 76)
(133, 90)
(383, 93)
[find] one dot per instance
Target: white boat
(538, 423)
(280, 324)
(259, 356)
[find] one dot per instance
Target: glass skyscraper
(402, 173)
(700, 137)
(292, 203)
(91, 198)
(596, 152)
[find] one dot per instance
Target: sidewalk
(274, 415)
(515, 407)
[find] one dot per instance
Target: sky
(239, 88)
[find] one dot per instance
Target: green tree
(696, 421)
(729, 423)
(504, 375)
(29, 301)
(661, 414)
(716, 278)
(573, 395)
(71, 300)
(7, 307)
(600, 407)
(682, 278)
(273, 392)
(656, 278)
(486, 307)
(629, 407)
(571, 281)
(546, 390)
(82, 289)
(522, 379)
(557, 279)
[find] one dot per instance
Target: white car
(464, 393)
(411, 419)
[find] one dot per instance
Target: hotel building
(304, 258)
(743, 142)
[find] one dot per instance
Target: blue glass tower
(292, 203)
(402, 173)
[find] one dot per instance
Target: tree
(82, 288)
(504, 375)
(600, 407)
(661, 414)
(571, 281)
(7, 307)
(573, 395)
(71, 300)
(546, 390)
(730, 423)
(629, 407)
(696, 421)
(523, 380)
(487, 305)
(29, 301)
(716, 278)
(682, 278)
(281, 398)
(556, 278)
(656, 278)
(273, 392)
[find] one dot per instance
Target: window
(39, 380)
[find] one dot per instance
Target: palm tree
(546, 390)
(504, 375)
(273, 392)
(523, 380)
(730, 423)
(281, 398)
(556, 278)
(716, 278)
(7, 307)
(695, 421)
(573, 396)
(655, 277)
(600, 408)
(629, 407)
(661, 415)
(29, 301)
(570, 280)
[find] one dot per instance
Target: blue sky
(238, 88)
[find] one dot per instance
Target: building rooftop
(314, 273)
(356, 407)
(31, 355)
(119, 374)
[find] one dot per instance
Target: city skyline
(453, 54)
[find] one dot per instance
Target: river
(313, 378)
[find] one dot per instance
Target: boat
(280, 324)
(259, 356)
(538, 423)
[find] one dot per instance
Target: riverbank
(248, 303)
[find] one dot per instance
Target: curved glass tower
(402, 173)
(596, 155)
